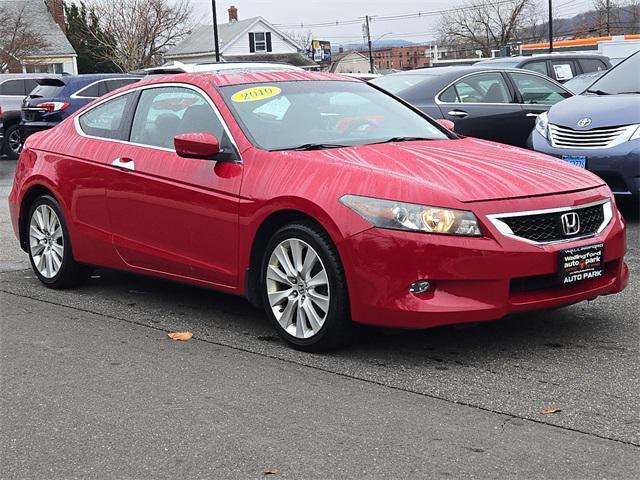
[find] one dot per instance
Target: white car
(221, 67)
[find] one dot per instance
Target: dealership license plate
(577, 160)
(581, 263)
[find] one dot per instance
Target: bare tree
(487, 24)
(302, 38)
(136, 33)
(17, 39)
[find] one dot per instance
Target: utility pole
(370, 45)
(608, 17)
(550, 26)
(216, 45)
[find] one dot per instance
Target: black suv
(14, 87)
(559, 66)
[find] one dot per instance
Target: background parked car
(13, 88)
(580, 83)
(559, 66)
(600, 129)
(54, 99)
(494, 104)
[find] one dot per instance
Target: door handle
(124, 163)
(458, 113)
(532, 114)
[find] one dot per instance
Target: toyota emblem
(584, 122)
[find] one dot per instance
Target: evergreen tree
(81, 23)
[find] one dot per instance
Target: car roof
(179, 67)
(239, 78)
(452, 70)
(11, 76)
(542, 56)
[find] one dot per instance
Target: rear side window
(478, 88)
(592, 65)
(13, 87)
(92, 91)
(30, 84)
(111, 85)
(108, 119)
(540, 67)
(537, 90)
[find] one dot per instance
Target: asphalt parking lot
(92, 388)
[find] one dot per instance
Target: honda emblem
(570, 223)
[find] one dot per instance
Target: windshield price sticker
(254, 94)
(581, 263)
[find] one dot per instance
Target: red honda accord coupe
(323, 199)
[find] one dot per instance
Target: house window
(259, 42)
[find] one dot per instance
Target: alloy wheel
(14, 141)
(46, 241)
(298, 288)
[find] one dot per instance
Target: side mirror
(201, 145)
(448, 124)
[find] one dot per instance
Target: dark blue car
(54, 99)
(600, 129)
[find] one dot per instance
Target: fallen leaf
(551, 410)
(180, 335)
(272, 471)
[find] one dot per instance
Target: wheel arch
(269, 225)
(29, 197)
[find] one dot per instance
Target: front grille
(550, 281)
(547, 227)
(565, 137)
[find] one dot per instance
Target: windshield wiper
(401, 139)
(627, 93)
(598, 92)
(313, 146)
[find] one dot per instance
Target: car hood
(603, 110)
(470, 170)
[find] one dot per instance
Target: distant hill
(383, 43)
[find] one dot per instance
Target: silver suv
(14, 87)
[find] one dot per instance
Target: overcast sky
(294, 12)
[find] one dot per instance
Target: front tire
(304, 288)
(49, 246)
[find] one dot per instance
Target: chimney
(56, 9)
(233, 14)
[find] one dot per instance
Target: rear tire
(49, 246)
(12, 143)
(304, 290)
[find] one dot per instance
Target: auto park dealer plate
(577, 160)
(581, 263)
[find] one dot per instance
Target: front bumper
(475, 279)
(619, 166)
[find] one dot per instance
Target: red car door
(173, 215)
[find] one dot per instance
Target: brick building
(400, 58)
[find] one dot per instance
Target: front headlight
(635, 135)
(542, 124)
(412, 217)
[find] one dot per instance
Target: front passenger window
(165, 112)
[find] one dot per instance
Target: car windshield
(396, 83)
(580, 83)
(623, 78)
(324, 114)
